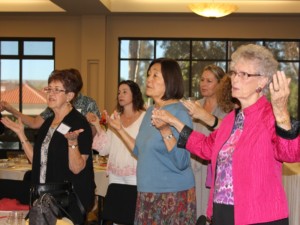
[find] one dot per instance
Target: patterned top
(44, 154)
(224, 185)
(82, 103)
(121, 162)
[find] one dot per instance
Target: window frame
(191, 60)
(31, 133)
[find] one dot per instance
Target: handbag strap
(82, 210)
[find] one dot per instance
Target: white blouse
(121, 161)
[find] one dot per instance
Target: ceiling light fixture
(213, 9)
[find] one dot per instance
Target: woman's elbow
(76, 169)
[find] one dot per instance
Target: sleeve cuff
(183, 136)
(289, 134)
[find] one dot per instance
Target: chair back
(27, 175)
(15, 189)
(201, 220)
(119, 204)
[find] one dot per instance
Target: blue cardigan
(158, 170)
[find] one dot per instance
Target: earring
(258, 90)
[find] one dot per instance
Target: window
(193, 55)
(25, 65)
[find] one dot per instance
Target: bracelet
(168, 137)
(23, 142)
(215, 123)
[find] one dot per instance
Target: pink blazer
(257, 164)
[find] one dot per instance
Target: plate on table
(101, 166)
(7, 164)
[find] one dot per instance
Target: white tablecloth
(101, 181)
(15, 172)
(291, 182)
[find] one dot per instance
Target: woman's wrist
(215, 122)
(165, 131)
(283, 120)
(73, 142)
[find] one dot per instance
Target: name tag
(63, 128)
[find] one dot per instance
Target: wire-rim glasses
(242, 75)
(53, 90)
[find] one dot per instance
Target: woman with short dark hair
(62, 149)
(165, 181)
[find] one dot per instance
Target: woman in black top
(62, 150)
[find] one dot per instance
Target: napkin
(8, 204)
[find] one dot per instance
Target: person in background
(248, 148)
(122, 163)
(218, 105)
(165, 180)
(83, 104)
(62, 149)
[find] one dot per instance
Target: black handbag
(44, 211)
(60, 192)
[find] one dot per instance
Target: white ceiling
(141, 6)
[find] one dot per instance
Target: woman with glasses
(248, 148)
(62, 149)
(82, 103)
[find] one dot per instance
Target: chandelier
(213, 9)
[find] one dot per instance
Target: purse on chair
(60, 198)
(60, 191)
(44, 211)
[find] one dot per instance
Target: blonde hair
(224, 97)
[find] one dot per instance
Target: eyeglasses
(242, 75)
(54, 91)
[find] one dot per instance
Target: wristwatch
(73, 146)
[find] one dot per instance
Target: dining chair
(118, 205)
(202, 220)
(27, 176)
(15, 189)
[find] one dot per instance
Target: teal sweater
(158, 170)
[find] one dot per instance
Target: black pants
(224, 215)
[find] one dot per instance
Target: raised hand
(196, 110)
(114, 120)
(17, 126)
(5, 106)
(92, 118)
(73, 135)
(161, 117)
(280, 91)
